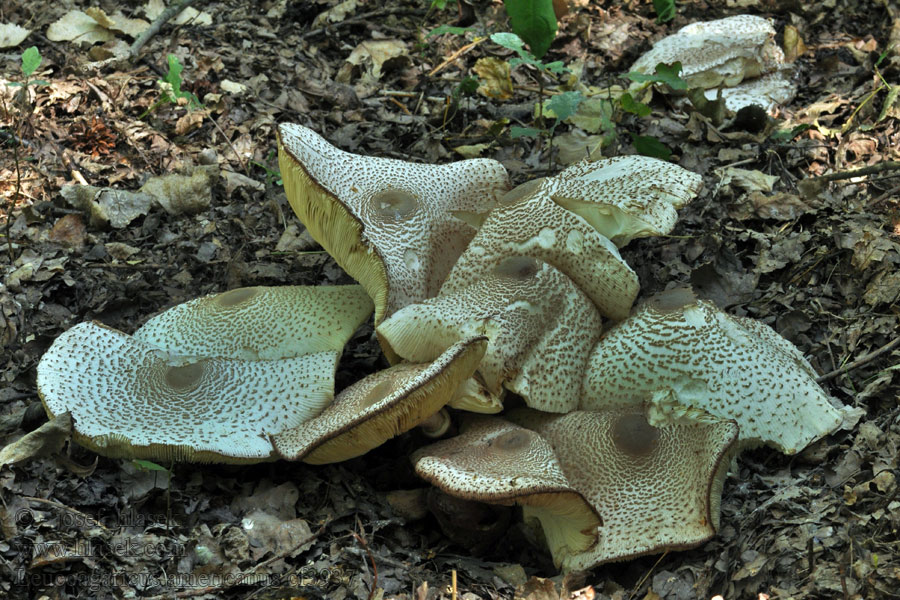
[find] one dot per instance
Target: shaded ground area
(818, 263)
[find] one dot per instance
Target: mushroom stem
(437, 424)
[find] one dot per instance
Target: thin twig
(157, 25)
(363, 18)
(860, 361)
(87, 518)
(454, 56)
(365, 546)
(869, 170)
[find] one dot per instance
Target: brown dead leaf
(69, 230)
(189, 122)
(537, 588)
(43, 441)
(493, 75)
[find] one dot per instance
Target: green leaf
(31, 60)
(439, 4)
(564, 105)
(665, 10)
(667, 74)
(173, 78)
(629, 104)
(38, 82)
(786, 135)
(146, 465)
(465, 87)
(14, 84)
(650, 146)
(534, 21)
(516, 132)
(448, 29)
(557, 66)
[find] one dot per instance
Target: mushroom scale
(389, 223)
(655, 488)
(534, 226)
(677, 351)
(381, 406)
(541, 329)
(498, 462)
(132, 400)
(626, 196)
(265, 323)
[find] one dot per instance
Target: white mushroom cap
(388, 223)
(541, 329)
(261, 322)
(654, 488)
(381, 406)
(534, 226)
(132, 400)
(498, 462)
(624, 197)
(717, 53)
(677, 349)
(767, 91)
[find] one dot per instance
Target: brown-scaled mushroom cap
(261, 322)
(498, 462)
(718, 53)
(381, 406)
(676, 350)
(132, 400)
(388, 223)
(541, 329)
(626, 196)
(655, 488)
(532, 225)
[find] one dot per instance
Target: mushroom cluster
(631, 415)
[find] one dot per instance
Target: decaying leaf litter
(817, 261)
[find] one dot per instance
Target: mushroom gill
(381, 406)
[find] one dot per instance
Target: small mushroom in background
(498, 462)
(729, 54)
(541, 329)
(655, 488)
(381, 406)
(676, 351)
(624, 197)
(528, 223)
(191, 386)
(390, 224)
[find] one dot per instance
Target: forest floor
(820, 264)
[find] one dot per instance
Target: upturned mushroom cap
(676, 350)
(532, 225)
(718, 53)
(265, 323)
(132, 400)
(381, 406)
(498, 462)
(626, 196)
(388, 223)
(654, 488)
(541, 329)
